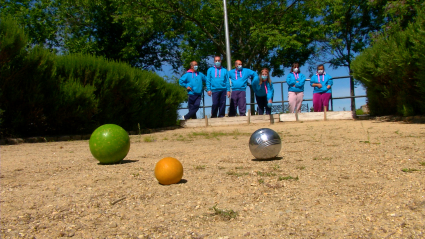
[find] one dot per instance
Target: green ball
(109, 144)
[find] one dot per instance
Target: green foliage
(262, 33)
(47, 94)
(102, 28)
(359, 112)
(126, 96)
(346, 26)
(393, 70)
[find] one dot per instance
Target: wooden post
(206, 121)
(324, 113)
(249, 116)
(271, 119)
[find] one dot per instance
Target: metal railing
(282, 101)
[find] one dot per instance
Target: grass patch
(409, 170)
(300, 167)
(260, 181)
(216, 135)
(220, 167)
(422, 163)
(224, 213)
(276, 167)
(266, 174)
(148, 139)
(322, 158)
(199, 167)
(232, 173)
(241, 167)
(287, 178)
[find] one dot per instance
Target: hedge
(46, 94)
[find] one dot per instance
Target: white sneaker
(182, 118)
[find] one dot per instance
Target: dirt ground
(332, 179)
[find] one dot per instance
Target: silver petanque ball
(265, 143)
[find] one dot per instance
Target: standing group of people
(222, 83)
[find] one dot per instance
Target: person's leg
(232, 108)
(193, 105)
(215, 104)
(242, 103)
(325, 99)
(292, 98)
(299, 100)
(268, 109)
(190, 107)
(262, 103)
(222, 104)
(317, 102)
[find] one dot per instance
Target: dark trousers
(237, 99)
(320, 100)
(218, 104)
(193, 105)
(262, 103)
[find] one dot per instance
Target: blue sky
(341, 88)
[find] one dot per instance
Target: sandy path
(347, 183)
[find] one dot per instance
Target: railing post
(353, 100)
(283, 103)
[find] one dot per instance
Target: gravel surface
(332, 179)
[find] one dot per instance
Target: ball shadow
(182, 181)
(120, 162)
(270, 159)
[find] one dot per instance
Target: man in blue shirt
(239, 80)
(218, 87)
(192, 81)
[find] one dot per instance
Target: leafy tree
(101, 27)
(348, 24)
(262, 33)
(393, 69)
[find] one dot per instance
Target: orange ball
(168, 171)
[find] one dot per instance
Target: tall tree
(262, 33)
(101, 27)
(348, 24)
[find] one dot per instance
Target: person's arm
(290, 80)
(301, 82)
(330, 82)
(208, 82)
(255, 84)
(270, 92)
(183, 82)
(313, 82)
(254, 76)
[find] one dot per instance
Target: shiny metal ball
(265, 143)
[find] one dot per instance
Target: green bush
(125, 95)
(42, 93)
(393, 71)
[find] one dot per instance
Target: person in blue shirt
(192, 81)
(238, 82)
(263, 89)
(322, 92)
(218, 87)
(295, 81)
